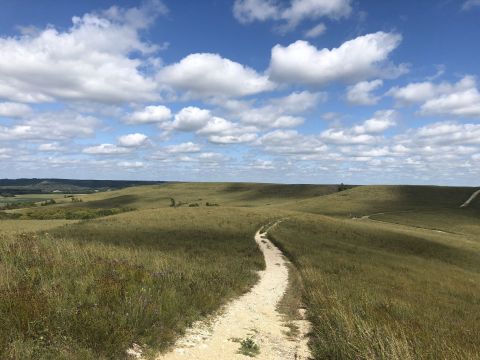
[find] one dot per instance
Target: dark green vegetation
(64, 212)
(10, 187)
(248, 347)
(402, 283)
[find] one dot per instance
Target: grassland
(379, 293)
(92, 289)
(385, 271)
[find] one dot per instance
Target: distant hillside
(41, 186)
(367, 200)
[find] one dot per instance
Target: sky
(286, 91)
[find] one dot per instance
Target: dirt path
(470, 199)
(252, 315)
(368, 218)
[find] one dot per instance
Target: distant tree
(342, 187)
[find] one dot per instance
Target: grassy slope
(231, 194)
(90, 290)
(373, 289)
(379, 290)
(367, 200)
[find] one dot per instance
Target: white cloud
(361, 93)
(211, 157)
(50, 126)
(106, 149)
(381, 121)
(89, 61)
(279, 112)
(343, 136)
(247, 11)
(131, 164)
(458, 99)
(150, 114)
(313, 9)
(316, 31)
(414, 92)
(358, 59)
(133, 140)
(50, 147)
(216, 129)
(263, 164)
(363, 134)
(191, 118)
(5, 153)
(469, 4)
(183, 148)
(221, 131)
(206, 75)
(11, 109)
(298, 102)
(291, 142)
(444, 133)
(464, 103)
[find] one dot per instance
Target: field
(384, 271)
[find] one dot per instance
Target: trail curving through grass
(251, 319)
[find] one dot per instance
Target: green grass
(248, 347)
(373, 292)
(464, 221)
(91, 290)
(390, 287)
(224, 194)
(367, 200)
(22, 226)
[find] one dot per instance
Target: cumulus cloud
(204, 75)
(414, 92)
(279, 112)
(361, 93)
(362, 134)
(464, 103)
(247, 11)
(458, 99)
(92, 60)
(191, 118)
(358, 59)
(106, 149)
(183, 148)
(150, 114)
(216, 129)
(14, 110)
(343, 136)
(291, 142)
(133, 140)
(50, 126)
(381, 121)
(443, 133)
(221, 131)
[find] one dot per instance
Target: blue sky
(296, 91)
